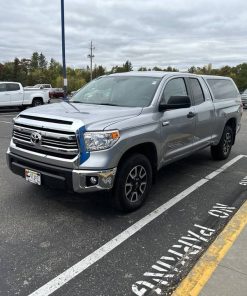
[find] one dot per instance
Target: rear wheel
(133, 183)
(37, 102)
(223, 149)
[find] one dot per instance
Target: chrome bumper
(63, 178)
(82, 180)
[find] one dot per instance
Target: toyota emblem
(35, 138)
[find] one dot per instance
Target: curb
(196, 279)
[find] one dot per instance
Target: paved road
(43, 232)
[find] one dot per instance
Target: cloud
(147, 32)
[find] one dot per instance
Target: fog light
(93, 180)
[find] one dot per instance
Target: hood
(93, 117)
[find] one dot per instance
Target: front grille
(62, 144)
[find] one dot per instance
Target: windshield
(124, 91)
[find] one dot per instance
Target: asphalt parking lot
(70, 244)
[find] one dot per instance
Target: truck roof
(9, 82)
(158, 74)
(161, 74)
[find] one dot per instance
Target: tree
(34, 61)
(16, 69)
(142, 69)
(42, 61)
(36, 70)
(127, 66)
(156, 69)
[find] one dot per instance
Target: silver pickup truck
(120, 129)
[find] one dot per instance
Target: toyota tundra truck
(119, 130)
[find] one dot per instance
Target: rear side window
(197, 91)
(2, 87)
(222, 88)
(175, 87)
(13, 86)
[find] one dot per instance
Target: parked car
(120, 129)
(13, 94)
(57, 93)
(42, 86)
(244, 98)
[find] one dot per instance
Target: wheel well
(38, 98)
(149, 150)
(233, 124)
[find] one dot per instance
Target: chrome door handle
(165, 123)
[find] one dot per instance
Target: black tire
(21, 108)
(37, 102)
(223, 149)
(133, 183)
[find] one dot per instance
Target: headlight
(95, 141)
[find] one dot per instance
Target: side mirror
(176, 102)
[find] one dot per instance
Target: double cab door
(11, 94)
(184, 130)
(5, 99)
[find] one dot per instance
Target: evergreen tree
(42, 61)
(34, 61)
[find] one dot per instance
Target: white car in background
(13, 94)
(42, 86)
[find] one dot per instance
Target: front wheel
(223, 149)
(133, 183)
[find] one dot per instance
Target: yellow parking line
(202, 271)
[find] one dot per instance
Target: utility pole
(65, 83)
(91, 56)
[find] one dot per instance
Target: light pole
(91, 56)
(65, 83)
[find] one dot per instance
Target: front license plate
(33, 177)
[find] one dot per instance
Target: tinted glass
(197, 91)
(130, 91)
(222, 88)
(2, 87)
(12, 86)
(175, 87)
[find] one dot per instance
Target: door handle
(165, 123)
(191, 114)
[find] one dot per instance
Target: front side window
(197, 91)
(126, 91)
(13, 86)
(223, 88)
(2, 87)
(174, 88)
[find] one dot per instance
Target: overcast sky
(179, 33)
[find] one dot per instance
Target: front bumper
(63, 178)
